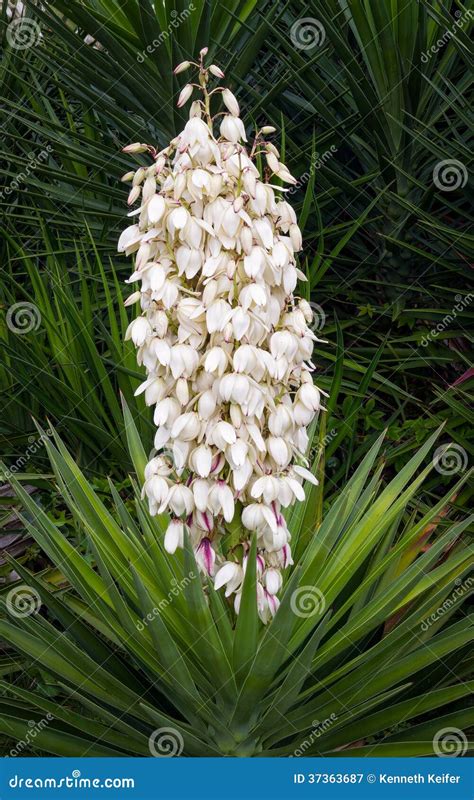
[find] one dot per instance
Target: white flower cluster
(226, 345)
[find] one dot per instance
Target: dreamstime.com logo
(72, 781)
(317, 162)
(176, 20)
(23, 33)
(34, 161)
(22, 601)
(450, 743)
(462, 588)
(449, 175)
(319, 317)
(317, 730)
(450, 459)
(35, 443)
(307, 33)
(177, 588)
(166, 743)
(23, 318)
(34, 728)
(307, 601)
(462, 302)
(449, 33)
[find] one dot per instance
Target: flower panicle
(225, 343)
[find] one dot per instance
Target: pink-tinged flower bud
(132, 299)
(203, 52)
(136, 147)
(184, 65)
(206, 556)
(133, 195)
(184, 95)
(216, 71)
(127, 177)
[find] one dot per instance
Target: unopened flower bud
(230, 101)
(136, 147)
(184, 65)
(216, 71)
(184, 95)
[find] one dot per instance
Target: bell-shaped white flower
(230, 575)
(174, 536)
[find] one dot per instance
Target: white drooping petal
(201, 460)
(201, 494)
(231, 574)
(174, 536)
(306, 474)
(129, 237)
(156, 208)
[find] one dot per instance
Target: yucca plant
(365, 652)
(386, 247)
(146, 654)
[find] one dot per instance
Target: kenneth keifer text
(445, 777)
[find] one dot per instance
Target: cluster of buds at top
(226, 345)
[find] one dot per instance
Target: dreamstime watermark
(23, 33)
(178, 587)
(307, 601)
(449, 175)
(22, 601)
(450, 459)
(29, 741)
(23, 317)
(460, 591)
(35, 159)
(319, 446)
(166, 743)
(319, 317)
(450, 742)
(318, 729)
(177, 19)
(72, 781)
(35, 443)
(317, 162)
(307, 33)
(448, 34)
(448, 319)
